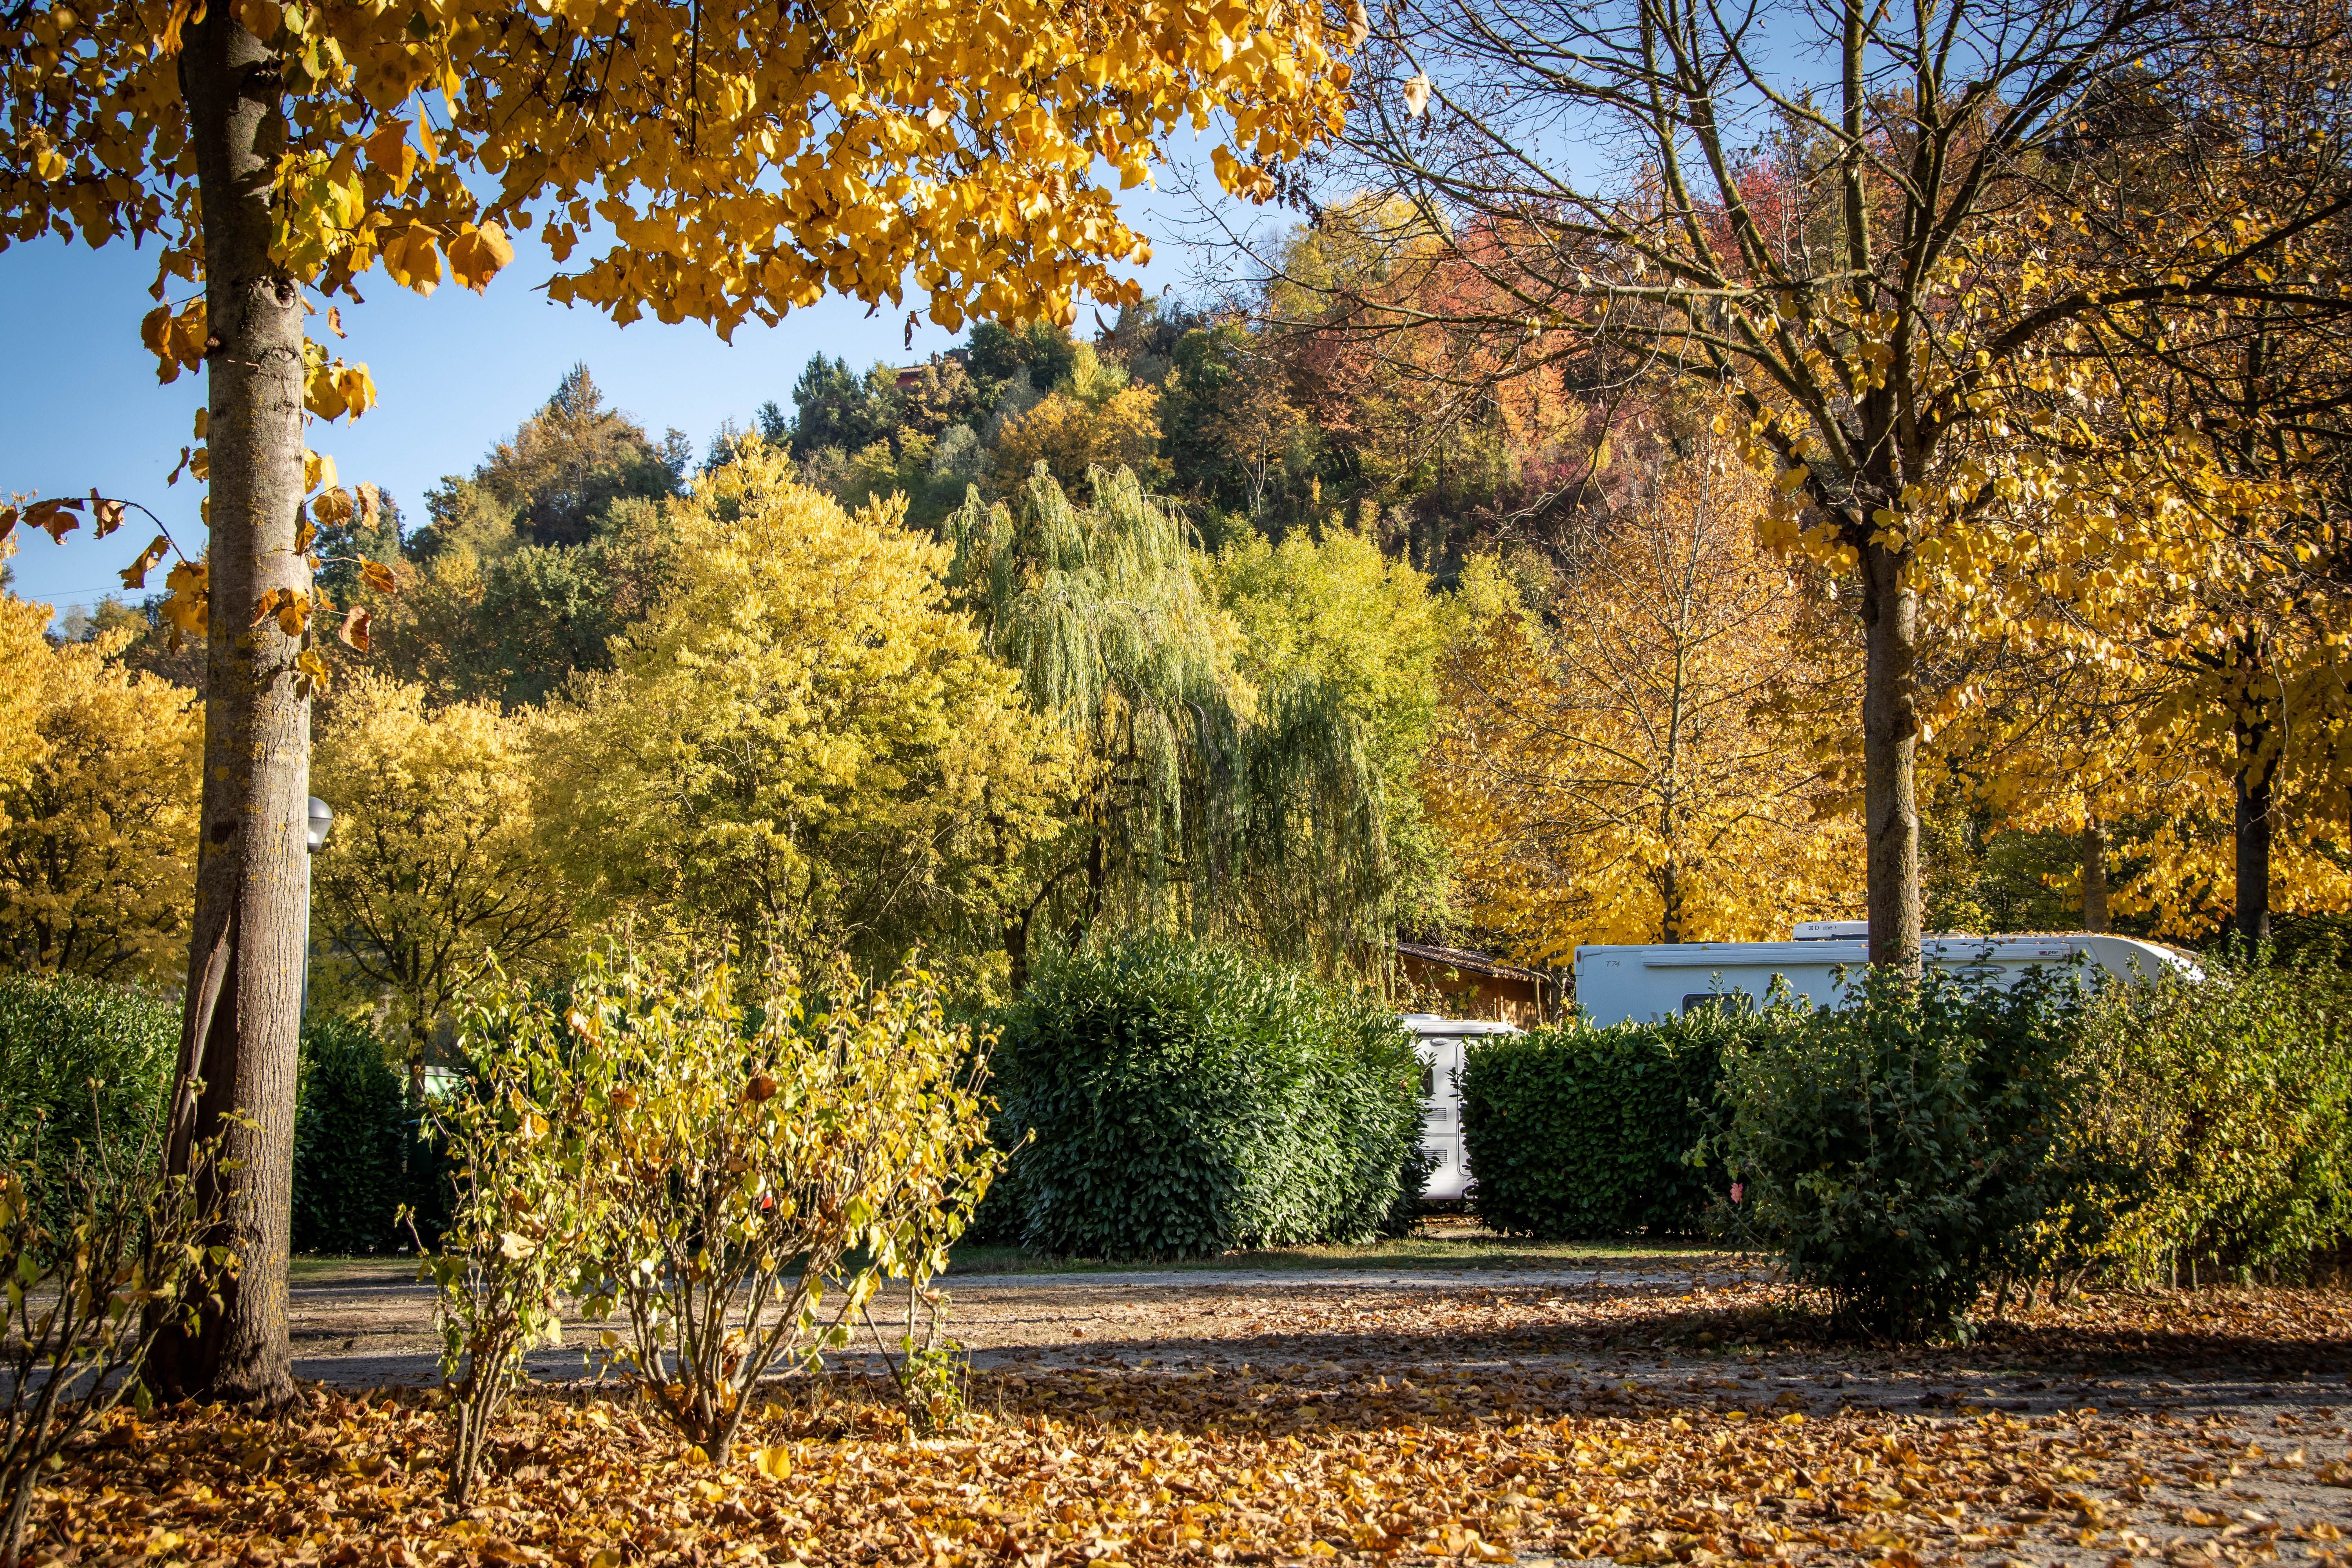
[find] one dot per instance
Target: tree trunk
(2095, 875)
(2251, 828)
(1890, 744)
(245, 954)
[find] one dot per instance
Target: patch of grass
(1448, 1245)
(379, 1269)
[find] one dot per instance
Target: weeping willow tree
(1205, 805)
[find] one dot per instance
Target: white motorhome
(1667, 980)
(1441, 1041)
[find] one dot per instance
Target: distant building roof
(1463, 958)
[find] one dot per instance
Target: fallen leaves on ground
(1130, 1460)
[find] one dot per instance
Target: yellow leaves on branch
(736, 160)
(176, 338)
(331, 388)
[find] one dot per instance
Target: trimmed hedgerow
(1181, 1100)
(359, 1150)
(1577, 1133)
(2230, 1097)
(77, 1055)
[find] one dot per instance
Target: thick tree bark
(244, 957)
(1890, 744)
(2251, 830)
(2095, 875)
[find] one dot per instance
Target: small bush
(757, 1170)
(1578, 1132)
(1903, 1152)
(1186, 1099)
(360, 1153)
(89, 1296)
(2231, 1099)
(520, 1230)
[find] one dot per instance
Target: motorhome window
(1712, 1000)
(1428, 1079)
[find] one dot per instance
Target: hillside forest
(1223, 620)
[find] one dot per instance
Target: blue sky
(80, 407)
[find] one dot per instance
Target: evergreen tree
(834, 406)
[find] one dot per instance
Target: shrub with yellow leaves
(102, 1251)
(746, 1139)
(529, 1197)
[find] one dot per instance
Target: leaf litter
(1650, 1422)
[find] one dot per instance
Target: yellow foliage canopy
(1073, 437)
(98, 806)
(1615, 773)
(431, 870)
(741, 158)
(804, 740)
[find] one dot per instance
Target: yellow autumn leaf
(476, 254)
(135, 576)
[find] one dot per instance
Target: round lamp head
(322, 817)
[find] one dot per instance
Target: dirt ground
(2188, 1427)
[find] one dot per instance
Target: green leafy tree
(560, 474)
(1037, 349)
(1339, 614)
(1205, 804)
(805, 744)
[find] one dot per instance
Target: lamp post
(322, 820)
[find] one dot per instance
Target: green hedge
(2231, 1100)
(358, 1152)
(75, 1056)
(58, 1033)
(1187, 1099)
(356, 1155)
(1577, 1133)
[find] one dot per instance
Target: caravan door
(1441, 1041)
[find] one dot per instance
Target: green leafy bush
(359, 1152)
(1906, 1150)
(58, 1033)
(1581, 1132)
(2231, 1099)
(1188, 1100)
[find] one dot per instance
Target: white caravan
(1667, 980)
(1441, 1041)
